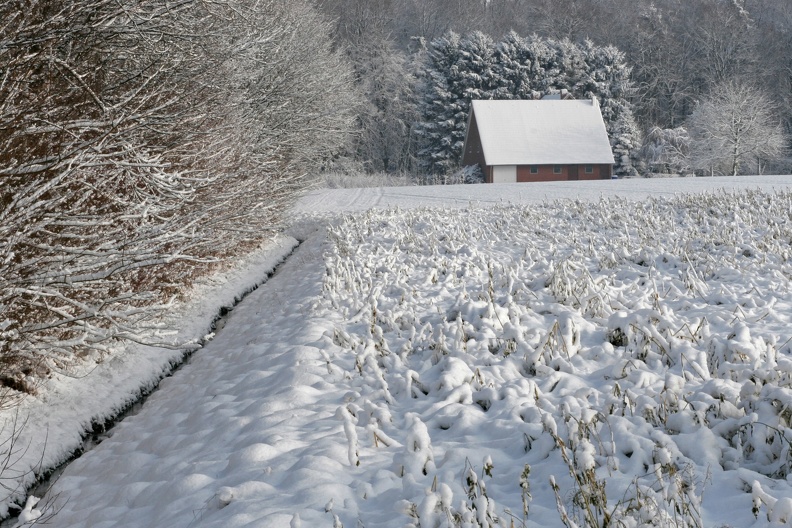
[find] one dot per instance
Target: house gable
(539, 133)
(473, 152)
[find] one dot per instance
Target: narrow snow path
(244, 421)
(51, 426)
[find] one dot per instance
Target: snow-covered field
(349, 200)
(505, 356)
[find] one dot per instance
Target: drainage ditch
(100, 430)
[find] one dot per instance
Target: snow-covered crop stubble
(569, 363)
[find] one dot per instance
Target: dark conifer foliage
(461, 69)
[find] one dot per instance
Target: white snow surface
(437, 356)
(352, 200)
(542, 132)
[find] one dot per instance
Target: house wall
(546, 173)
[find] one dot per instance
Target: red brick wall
(545, 173)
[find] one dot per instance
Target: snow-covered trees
(459, 69)
(138, 139)
(386, 117)
(734, 131)
(666, 150)
(385, 81)
(678, 52)
(607, 77)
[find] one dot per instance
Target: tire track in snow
(361, 199)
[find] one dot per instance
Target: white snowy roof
(542, 132)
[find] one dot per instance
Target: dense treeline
(139, 142)
(681, 55)
(459, 69)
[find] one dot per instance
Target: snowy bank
(49, 428)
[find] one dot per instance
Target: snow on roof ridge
(542, 131)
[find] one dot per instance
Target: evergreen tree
(520, 63)
(459, 70)
(608, 79)
(566, 68)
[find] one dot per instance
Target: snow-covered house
(538, 140)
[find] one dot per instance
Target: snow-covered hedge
(139, 142)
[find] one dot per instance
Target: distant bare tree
(734, 131)
(570, 19)
(384, 79)
(385, 141)
(722, 36)
(666, 150)
(662, 63)
(429, 19)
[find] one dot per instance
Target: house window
(556, 169)
(534, 169)
(589, 169)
